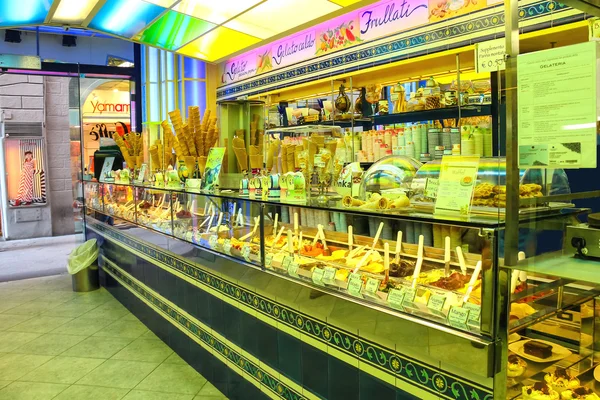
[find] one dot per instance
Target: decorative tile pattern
(406, 45)
(439, 382)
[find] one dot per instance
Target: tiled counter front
(254, 335)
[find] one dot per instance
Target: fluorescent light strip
(73, 11)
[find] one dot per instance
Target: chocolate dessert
(402, 269)
(513, 359)
(540, 386)
(537, 349)
(453, 282)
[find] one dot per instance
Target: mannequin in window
(25, 196)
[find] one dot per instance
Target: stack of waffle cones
(131, 148)
(239, 148)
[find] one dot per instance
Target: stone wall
(59, 154)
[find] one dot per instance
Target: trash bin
(83, 267)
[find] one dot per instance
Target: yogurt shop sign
(367, 23)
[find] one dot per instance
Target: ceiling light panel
(125, 17)
(173, 30)
(217, 44)
(73, 11)
(23, 12)
(276, 16)
(162, 3)
(344, 3)
(216, 11)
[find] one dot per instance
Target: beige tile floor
(57, 344)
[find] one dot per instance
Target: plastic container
(83, 267)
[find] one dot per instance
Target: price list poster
(557, 102)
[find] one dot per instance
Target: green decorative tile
(97, 347)
(121, 328)
(107, 311)
(31, 391)
(209, 390)
(9, 341)
(14, 366)
(146, 395)
(62, 370)
(72, 309)
(49, 344)
(83, 326)
(40, 324)
(144, 350)
(35, 307)
(175, 359)
(10, 320)
(84, 392)
(173, 378)
(118, 374)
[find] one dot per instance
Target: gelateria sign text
(375, 21)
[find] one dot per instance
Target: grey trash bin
(83, 267)
(87, 279)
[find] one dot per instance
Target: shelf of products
(433, 115)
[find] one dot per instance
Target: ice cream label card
(106, 169)
(458, 176)
(213, 168)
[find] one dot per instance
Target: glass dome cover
(390, 176)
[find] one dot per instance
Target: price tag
(355, 285)
(409, 296)
(474, 312)
(371, 286)
(458, 316)
(489, 56)
(431, 188)
(246, 252)
(318, 161)
(286, 262)
(436, 302)
(293, 269)
(396, 298)
(329, 275)
(268, 260)
(213, 241)
(227, 246)
(317, 276)
(141, 175)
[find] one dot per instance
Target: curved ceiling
(211, 30)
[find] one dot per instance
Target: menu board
(557, 91)
(458, 176)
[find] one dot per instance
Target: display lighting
(125, 18)
(173, 30)
(215, 11)
(218, 43)
(23, 12)
(344, 3)
(73, 11)
(275, 16)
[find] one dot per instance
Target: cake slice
(537, 349)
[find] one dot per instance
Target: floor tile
(49, 344)
(83, 392)
(119, 374)
(9, 341)
(72, 309)
(173, 378)
(35, 307)
(144, 350)
(62, 370)
(14, 366)
(209, 390)
(149, 335)
(83, 326)
(4, 383)
(23, 296)
(97, 347)
(175, 359)
(9, 320)
(126, 329)
(146, 395)
(39, 324)
(129, 317)
(58, 296)
(105, 311)
(31, 391)
(9, 305)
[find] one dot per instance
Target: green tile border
(434, 380)
(195, 329)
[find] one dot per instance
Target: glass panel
(125, 17)
(192, 68)
(26, 12)
(174, 30)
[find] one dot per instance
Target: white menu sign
(557, 91)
